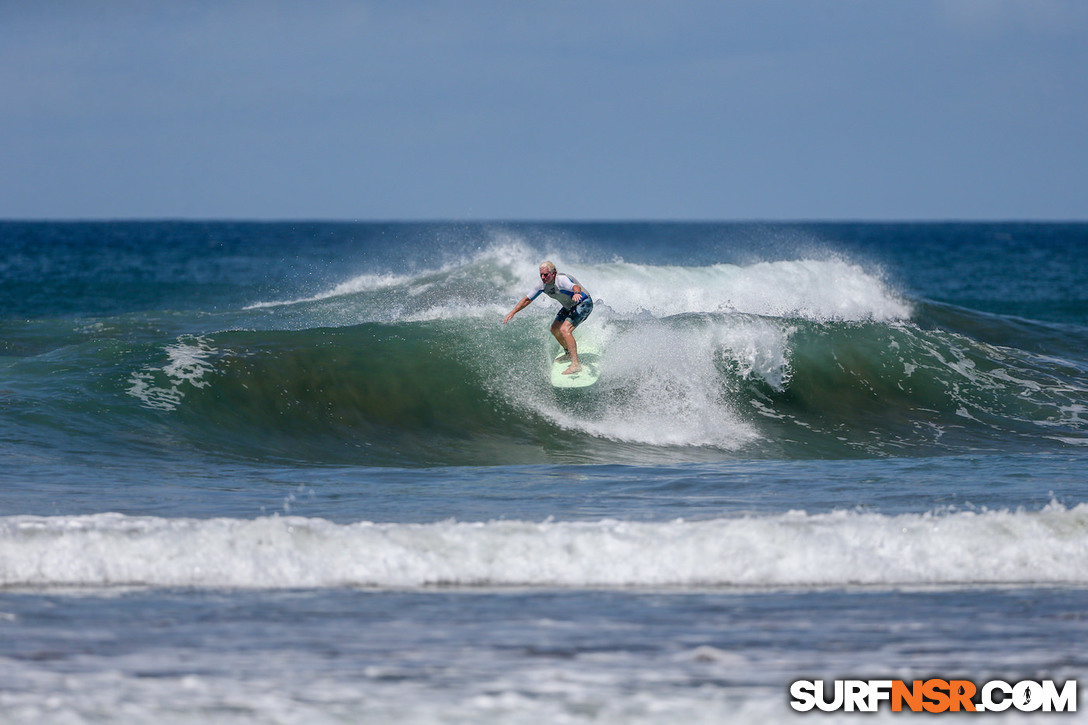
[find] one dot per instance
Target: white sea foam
(503, 272)
(524, 696)
(839, 549)
(667, 385)
(664, 384)
(164, 387)
(807, 288)
(355, 285)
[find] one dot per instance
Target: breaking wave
(837, 549)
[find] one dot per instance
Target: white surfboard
(589, 355)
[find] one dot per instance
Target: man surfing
(577, 305)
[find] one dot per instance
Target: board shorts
(576, 314)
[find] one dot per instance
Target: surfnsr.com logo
(934, 695)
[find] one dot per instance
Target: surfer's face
(547, 275)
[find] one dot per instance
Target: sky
(769, 110)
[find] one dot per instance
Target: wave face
(776, 353)
(792, 549)
(796, 358)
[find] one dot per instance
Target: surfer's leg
(566, 330)
(558, 335)
(571, 319)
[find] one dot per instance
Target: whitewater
(843, 549)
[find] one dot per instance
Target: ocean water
(301, 473)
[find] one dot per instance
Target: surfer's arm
(521, 305)
(576, 291)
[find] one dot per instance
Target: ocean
(302, 473)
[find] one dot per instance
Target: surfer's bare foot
(565, 357)
(575, 368)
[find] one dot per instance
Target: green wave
(464, 392)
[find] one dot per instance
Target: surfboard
(589, 355)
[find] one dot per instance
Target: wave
(809, 358)
(675, 388)
(838, 549)
(491, 280)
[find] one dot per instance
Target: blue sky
(581, 110)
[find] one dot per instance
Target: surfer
(577, 305)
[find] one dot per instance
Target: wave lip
(355, 285)
(491, 280)
(819, 290)
(838, 549)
